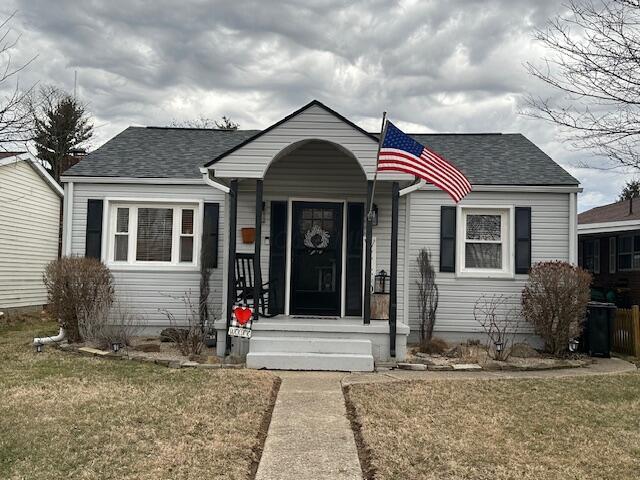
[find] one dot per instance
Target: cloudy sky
(454, 66)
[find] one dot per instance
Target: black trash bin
(597, 329)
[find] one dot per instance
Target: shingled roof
(614, 212)
(143, 152)
(157, 152)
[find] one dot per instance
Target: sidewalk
(310, 436)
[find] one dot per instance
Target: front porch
(305, 199)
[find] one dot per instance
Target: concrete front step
(343, 362)
(309, 345)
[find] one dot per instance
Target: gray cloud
(435, 66)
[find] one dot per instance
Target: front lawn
(67, 416)
(578, 428)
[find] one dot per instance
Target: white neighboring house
(155, 204)
(29, 228)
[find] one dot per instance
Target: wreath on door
(316, 239)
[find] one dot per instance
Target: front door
(316, 258)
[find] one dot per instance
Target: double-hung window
(485, 245)
(153, 234)
(591, 255)
(629, 253)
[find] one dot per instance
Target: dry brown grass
(65, 416)
(578, 428)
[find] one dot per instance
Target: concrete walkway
(310, 436)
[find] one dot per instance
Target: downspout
(207, 179)
(222, 340)
(47, 340)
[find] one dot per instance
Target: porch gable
(314, 121)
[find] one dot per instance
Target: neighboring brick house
(609, 247)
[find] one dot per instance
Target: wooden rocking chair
(245, 281)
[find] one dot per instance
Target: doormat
(305, 317)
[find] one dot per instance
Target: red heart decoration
(242, 314)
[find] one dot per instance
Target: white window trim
(613, 254)
(632, 252)
(508, 252)
(111, 206)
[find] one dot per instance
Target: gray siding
(550, 241)
(29, 226)
(253, 159)
(147, 293)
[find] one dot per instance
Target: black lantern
(374, 217)
(499, 346)
(380, 282)
(573, 345)
(115, 347)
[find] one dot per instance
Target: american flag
(400, 152)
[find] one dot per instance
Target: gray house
(279, 214)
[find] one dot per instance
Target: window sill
(116, 267)
(488, 275)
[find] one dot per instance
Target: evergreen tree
(61, 125)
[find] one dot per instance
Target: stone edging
(497, 366)
(141, 357)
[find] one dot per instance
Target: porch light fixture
(374, 217)
(380, 282)
(115, 347)
(573, 345)
(499, 346)
(39, 347)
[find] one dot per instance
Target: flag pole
(383, 131)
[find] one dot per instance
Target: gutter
(207, 179)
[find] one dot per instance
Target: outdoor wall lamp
(573, 345)
(374, 217)
(499, 346)
(380, 282)
(115, 347)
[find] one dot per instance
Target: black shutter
(277, 256)
(447, 239)
(209, 253)
(355, 227)
(93, 239)
(523, 239)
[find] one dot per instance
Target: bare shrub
(73, 285)
(427, 295)
(554, 301)
(499, 317)
(189, 335)
(106, 323)
(434, 345)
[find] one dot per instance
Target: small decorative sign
(241, 321)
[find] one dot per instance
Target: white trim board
(607, 227)
(139, 180)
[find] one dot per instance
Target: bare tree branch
(15, 118)
(594, 66)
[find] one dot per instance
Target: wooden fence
(625, 337)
